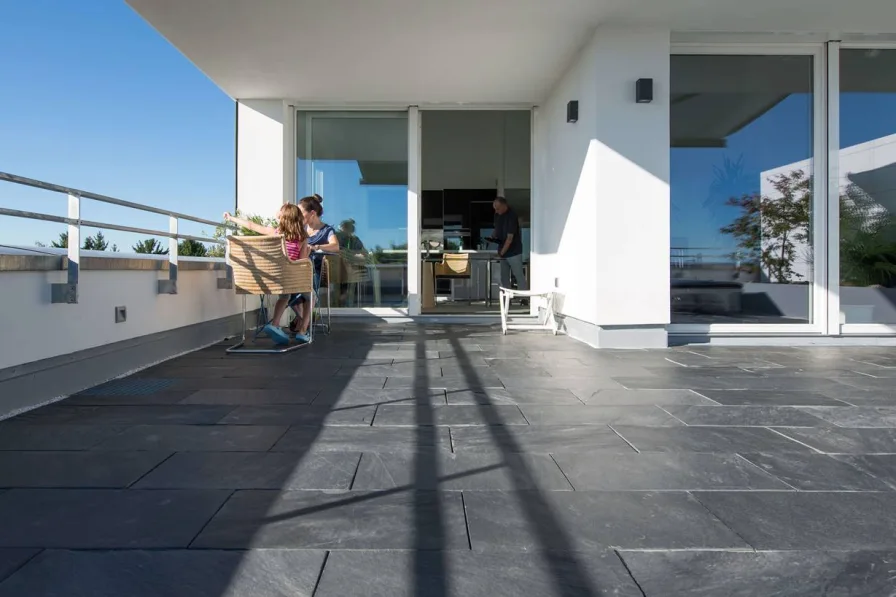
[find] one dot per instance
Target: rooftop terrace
(402, 460)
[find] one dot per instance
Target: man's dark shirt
(506, 224)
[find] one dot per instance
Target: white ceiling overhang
(447, 51)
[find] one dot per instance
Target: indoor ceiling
(441, 51)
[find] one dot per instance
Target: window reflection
(359, 164)
(741, 189)
(867, 186)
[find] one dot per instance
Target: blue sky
(93, 98)
(781, 136)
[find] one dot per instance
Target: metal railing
(68, 292)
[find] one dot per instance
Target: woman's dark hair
(313, 203)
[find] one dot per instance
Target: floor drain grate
(130, 387)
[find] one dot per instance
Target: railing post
(226, 283)
(67, 293)
(169, 286)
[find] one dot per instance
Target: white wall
(564, 209)
(265, 154)
(602, 197)
(35, 329)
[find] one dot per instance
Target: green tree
(216, 251)
(97, 242)
(867, 241)
(149, 246)
(192, 248)
(61, 242)
(221, 232)
(771, 230)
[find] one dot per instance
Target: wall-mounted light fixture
(644, 91)
(572, 111)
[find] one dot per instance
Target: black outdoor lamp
(644, 91)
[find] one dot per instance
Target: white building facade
(634, 138)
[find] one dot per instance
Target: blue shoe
(276, 334)
(303, 338)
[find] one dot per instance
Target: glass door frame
(398, 112)
(846, 329)
(415, 174)
(819, 307)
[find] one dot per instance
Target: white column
(602, 191)
(414, 193)
(265, 156)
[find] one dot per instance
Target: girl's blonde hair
(291, 223)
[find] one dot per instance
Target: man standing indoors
(510, 244)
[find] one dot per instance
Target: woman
(291, 226)
(321, 237)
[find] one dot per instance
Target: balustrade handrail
(68, 292)
(48, 186)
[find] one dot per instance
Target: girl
(291, 226)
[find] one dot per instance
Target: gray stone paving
(392, 460)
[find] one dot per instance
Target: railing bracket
(64, 294)
(167, 286)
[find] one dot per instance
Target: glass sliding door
(745, 132)
(358, 162)
(867, 190)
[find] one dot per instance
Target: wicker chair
(261, 267)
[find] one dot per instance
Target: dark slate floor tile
(769, 574)
(754, 397)
(644, 398)
(348, 520)
(191, 438)
(858, 416)
(617, 368)
(363, 439)
(480, 471)
(254, 470)
(402, 415)
(880, 466)
(104, 518)
(418, 369)
(705, 381)
(664, 382)
(445, 383)
(11, 559)
(808, 519)
(663, 472)
(815, 472)
(542, 439)
(18, 436)
(243, 397)
(651, 416)
(153, 414)
(868, 383)
(514, 396)
(467, 574)
(578, 386)
(276, 383)
(164, 397)
(300, 415)
(857, 397)
(846, 441)
(745, 416)
(707, 439)
(76, 469)
(174, 573)
(346, 397)
(591, 521)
